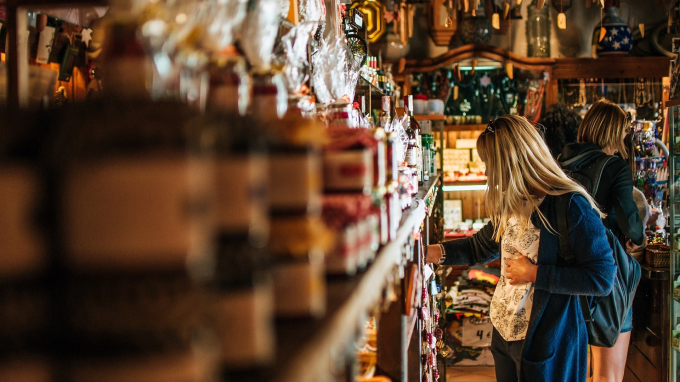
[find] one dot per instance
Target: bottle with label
(413, 130)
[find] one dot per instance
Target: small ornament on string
(86, 36)
(603, 31)
(561, 18)
(506, 10)
(474, 67)
(496, 21)
(642, 29)
(510, 70)
(540, 4)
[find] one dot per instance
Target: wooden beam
(611, 67)
(486, 51)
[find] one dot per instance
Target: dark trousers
(507, 357)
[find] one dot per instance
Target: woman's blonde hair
(605, 125)
(519, 164)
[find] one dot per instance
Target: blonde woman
(539, 331)
(601, 135)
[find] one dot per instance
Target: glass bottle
(538, 31)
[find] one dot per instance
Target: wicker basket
(658, 255)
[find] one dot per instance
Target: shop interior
(244, 190)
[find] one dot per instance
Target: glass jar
(538, 31)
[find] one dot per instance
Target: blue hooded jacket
(555, 347)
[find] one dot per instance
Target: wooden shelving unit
(450, 128)
(306, 346)
(430, 117)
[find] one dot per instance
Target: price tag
(477, 332)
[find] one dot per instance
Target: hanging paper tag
(466, 5)
(45, 45)
(455, 93)
(562, 21)
(496, 21)
(519, 2)
(594, 52)
(456, 71)
(602, 3)
(474, 67)
(642, 29)
(540, 4)
(603, 32)
(506, 10)
(509, 70)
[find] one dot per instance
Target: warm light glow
(466, 187)
(181, 18)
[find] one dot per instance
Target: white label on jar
(22, 247)
(246, 326)
(348, 170)
(300, 287)
(45, 42)
(136, 212)
(295, 180)
(241, 192)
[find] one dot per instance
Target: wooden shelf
(611, 67)
(671, 103)
(305, 347)
(430, 117)
(449, 128)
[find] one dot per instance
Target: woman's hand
(520, 270)
(434, 254)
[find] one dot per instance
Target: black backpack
(605, 315)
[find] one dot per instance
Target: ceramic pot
(618, 38)
(475, 30)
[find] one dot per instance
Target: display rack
(306, 346)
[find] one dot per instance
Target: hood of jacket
(577, 155)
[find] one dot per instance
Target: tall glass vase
(538, 31)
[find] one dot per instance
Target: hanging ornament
(540, 4)
(506, 10)
(455, 92)
(496, 21)
(86, 36)
(510, 70)
(466, 5)
(474, 67)
(642, 29)
(456, 71)
(603, 32)
(518, 2)
(602, 3)
(561, 17)
(60, 98)
(562, 21)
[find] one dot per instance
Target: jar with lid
(538, 31)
